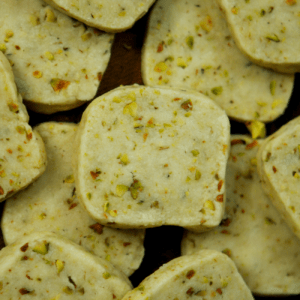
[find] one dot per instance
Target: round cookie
(57, 62)
(110, 16)
(266, 31)
(22, 152)
(148, 157)
(252, 233)
(46, 266)
(279, 169)
(207, 274)
(50, 204)
(189, 45)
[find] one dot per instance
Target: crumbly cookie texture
(279, 168)
(188, 45)
(46, 265)
(266, 31)
(252, 233)
(22, 152)
(54, 69)
(110, 16)
(50, 204)
(207, 274)
(152, 156)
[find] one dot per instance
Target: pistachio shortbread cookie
(279, 169)
(22, 152)
(50, 204)
(252, 232)
(152, 156)
(46, 266)
(189, 45)
(58, 63)
(110, 16)
(207, 274)
(266, 31)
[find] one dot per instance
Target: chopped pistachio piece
(41, 248)
(59, 265)
(121, 190)
(257, 129)
(130, 109)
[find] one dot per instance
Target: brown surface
(162, 244)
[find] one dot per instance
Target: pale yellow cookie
(252, 232)
(110, 16)
(46, 266)
(207, 274)
(50, 204)
(148, 157)
(188, 45)
(22, 152)
(266, 31)
(58, 62)
(279, 169)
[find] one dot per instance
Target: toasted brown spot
(220, 184)
(97, 228)
(220, 198)
(24, 247)
(190, 274)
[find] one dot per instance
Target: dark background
(161, 244)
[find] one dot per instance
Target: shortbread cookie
(279, 169)
(11, 103)
(58, 63)
(46, 266)
(152, 156)
(189, 45)
(266, 31)
(252, 232)
(110, 16)
(207, 274)
(50, 204)
(22, 152)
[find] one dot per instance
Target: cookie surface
(50, 204)
(252, 232)
(54, 69)
(110, 16)
(22, 152)
(279, 169)
(45, 265)
(189, 45)
(207, 274)
(266, 31)
(152, 156)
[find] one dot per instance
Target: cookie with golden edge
(279, 169)
(252, 233)
(50, 204)
(189, 45)
(57, 62)
(110, 16)
(22, 152)
(47, 266)
(148, 157)
(266, 31)
(208, 274)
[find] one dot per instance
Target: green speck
(106, 275)
(217, 90)
(273, 87)
(273, 38)
(195, 152)
(190, 42)
(262, 12)
(197, 175)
